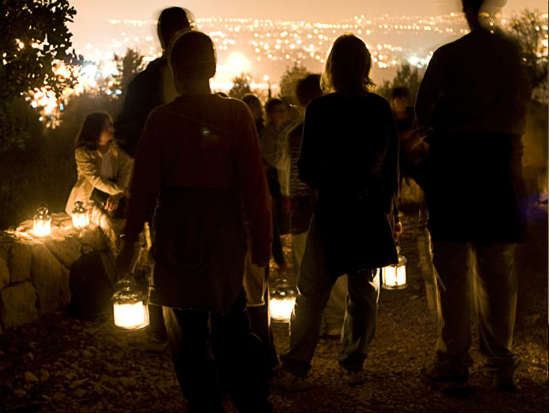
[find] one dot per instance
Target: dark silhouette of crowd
(219, 180)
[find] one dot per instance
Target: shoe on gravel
(445, 375)
(289, 382)
(354, 377)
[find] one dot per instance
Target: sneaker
(289, 382)
(354, 377)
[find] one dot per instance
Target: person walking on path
(199, 159)
(149, 89)
(474, 96)
(350, 156)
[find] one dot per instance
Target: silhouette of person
(256, 280)
(150, 88)
(273, 142)
(349, 155)
(153, 86)
(198, 165)
(474, 96)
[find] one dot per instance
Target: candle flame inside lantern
(394, 277)
(42, 227)
(281, 308)
(80, 219)
(131, 316)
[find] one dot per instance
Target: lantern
(42, 225)
(129, 306)
(80, 215)
(281, 303)
(394, 276)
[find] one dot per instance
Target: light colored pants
(333, 315)
(314, 287)
(494, 298)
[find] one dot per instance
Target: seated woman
(103, 173)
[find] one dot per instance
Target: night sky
(93, 13)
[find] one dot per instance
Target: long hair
(348, 66)
(91, 129)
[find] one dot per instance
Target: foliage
(241, 86)
(406, 76)
(527, 29)
(33, 35)
(33, 38)
(45, 170)
(289, 80)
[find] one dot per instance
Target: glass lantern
(42, 224)
(394, 276)
(282, 300)
(130, 306)
(80, 215)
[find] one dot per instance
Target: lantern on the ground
(394, 276)
(42, 224)
(281, 303)
(80, 215)
(129, 306)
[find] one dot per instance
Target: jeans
(314, 286)
(495, 289)
(212, 353)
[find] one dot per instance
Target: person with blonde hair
(349, 155)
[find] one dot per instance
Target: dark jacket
(350, 154)
(474, 96)
(199, 158)
(143, 95)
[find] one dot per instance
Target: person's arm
(253, 186)
(87, 167)
(308, 162)
(430, 91)
(146, 182)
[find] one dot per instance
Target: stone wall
(34, 271)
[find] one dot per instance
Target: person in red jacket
(198, 166)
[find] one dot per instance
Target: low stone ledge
(35, 271)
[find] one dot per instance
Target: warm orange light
(131, 316)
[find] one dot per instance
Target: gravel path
(67, 365)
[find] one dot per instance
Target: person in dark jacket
(149, 89)
(350, 156)
(474, 96)
(198, 165)
(154, 86)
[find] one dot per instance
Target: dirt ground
(61, 364)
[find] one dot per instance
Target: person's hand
(397, 231)
(124, 259)
(111, 204)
